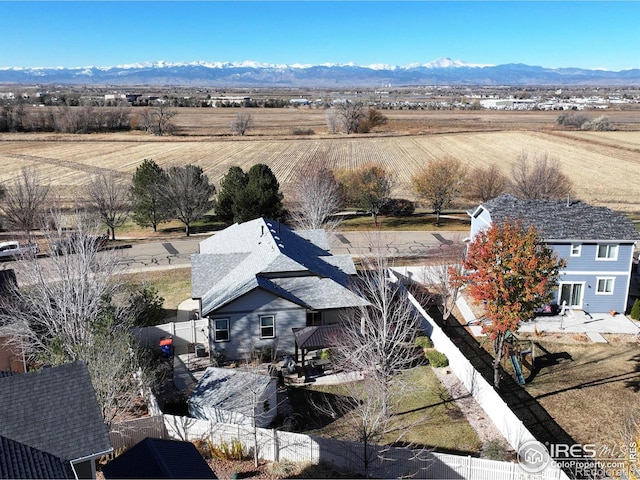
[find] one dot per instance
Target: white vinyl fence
(275, 445)
(516, 433)
(184, 334)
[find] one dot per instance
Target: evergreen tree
(261, 196)
(231, 185)
(147, 186)
(245, 196)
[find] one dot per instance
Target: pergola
(315, 338)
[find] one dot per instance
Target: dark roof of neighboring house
(562, 219)
(315, 338)
(54, 410)
(157, 458)
(22, 461)
(262, 253)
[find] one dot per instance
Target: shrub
(600, 124)
(436, 359)
(423, 342)
(228, 451)
(635, 310)
(302, 131)
(398, 207)
(496, 450)
(572, 120)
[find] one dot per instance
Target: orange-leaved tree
(511, 271)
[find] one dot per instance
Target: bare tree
(539, 178)
(317, 196)
(440, 183)
(109, 195)
(351, 114)
(70, 308)
(438, 274)
(158, 119)
(24, 201)
(189, 192)
(332, 120)
(241, 123)
(376, 344)
(483, 184)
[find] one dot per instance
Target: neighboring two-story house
(596, 243)
(257, 281)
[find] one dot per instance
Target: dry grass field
(605, 166)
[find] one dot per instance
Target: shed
(158, 458)
(234, 396)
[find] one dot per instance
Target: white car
(13, 249)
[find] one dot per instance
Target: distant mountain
(443, 71)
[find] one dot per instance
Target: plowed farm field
(604, 166)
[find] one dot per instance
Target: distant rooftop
(562, 219)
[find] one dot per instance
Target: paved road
(176, 253)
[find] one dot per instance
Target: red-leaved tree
(510, 270)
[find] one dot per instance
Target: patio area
(573, 321)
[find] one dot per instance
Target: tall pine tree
(147, 188)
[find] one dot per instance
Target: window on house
(314, 319)
(221, 330)
(267, 326)
(607, 251)
(575, 249)
(605, 286)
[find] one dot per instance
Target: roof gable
(54, 410)
(562, 219)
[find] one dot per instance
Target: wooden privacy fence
(276, 445)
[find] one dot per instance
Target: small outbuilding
(234, 396)
(159, 458)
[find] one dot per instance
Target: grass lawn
(172, 285)
(416, 222)
(590, 389)
(427, 414)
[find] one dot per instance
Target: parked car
(13, 249)
(73, 242)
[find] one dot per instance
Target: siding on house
(244, 324)
(564, 225)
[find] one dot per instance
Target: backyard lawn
(592, 390)
(427, 414)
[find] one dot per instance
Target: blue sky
(552, 34)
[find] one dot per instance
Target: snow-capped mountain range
(443, 71)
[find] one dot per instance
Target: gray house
(228, 395)
(596, 243)
(258, 280)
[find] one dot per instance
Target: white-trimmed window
(267, 326)
(576, 249)
(604, 285)
(607, 251)
(221, 330)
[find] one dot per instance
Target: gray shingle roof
(227, 389)
(240, 258)
(54, 410)
(562, 220)
(157, 458)
(21, 461)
